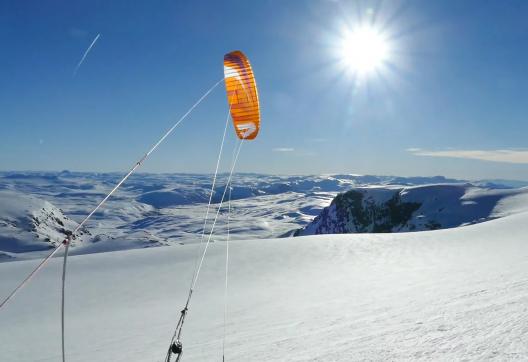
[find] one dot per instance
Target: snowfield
(444, 295)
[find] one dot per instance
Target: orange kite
(242, 95)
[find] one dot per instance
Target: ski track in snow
(456, 294)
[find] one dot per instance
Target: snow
(30, 224)
(168, 209)
(512, 204)
(454, 294)
(164, 209)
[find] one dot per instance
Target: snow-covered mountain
(444, 295)
(164, 209)
(30, 224)
(383, 209)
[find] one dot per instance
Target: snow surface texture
(37, 209)
(443, 295)
(414, 208)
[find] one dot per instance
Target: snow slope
(444, 295)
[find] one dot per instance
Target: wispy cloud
(85, 54)
(283, 149)
(507, 156)
(319, 140)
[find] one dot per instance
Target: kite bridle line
(197, 257)
(66, 242)
(178, 331)
(211, 194)
(226, 269)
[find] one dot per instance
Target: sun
(363, 50)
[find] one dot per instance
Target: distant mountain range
(38, 209)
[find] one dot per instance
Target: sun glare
(364, 50)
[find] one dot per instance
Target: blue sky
(451, 99)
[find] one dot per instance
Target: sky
(449, 98)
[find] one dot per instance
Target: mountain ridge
(415, 208)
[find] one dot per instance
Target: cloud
(506, 156)
(283, 149)
(319, 140)
(413, 150)
(85, 54)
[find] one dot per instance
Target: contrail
(85, 54)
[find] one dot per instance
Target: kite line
(67, 241)
(175, 346)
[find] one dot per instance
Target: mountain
(168, 209)
(386, 209)
(30, 224)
